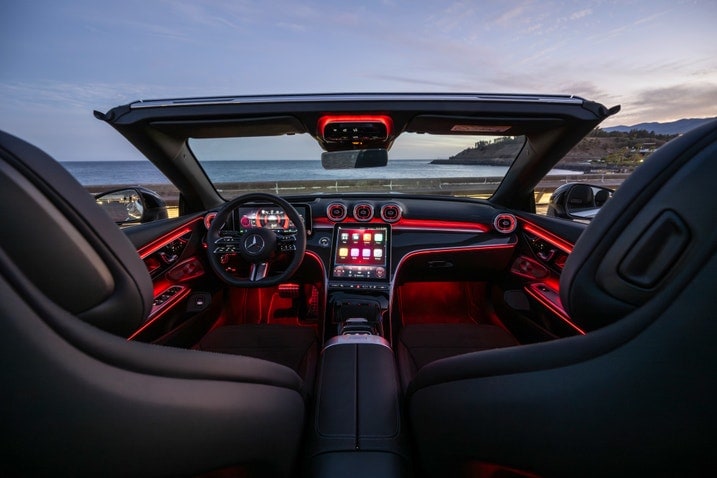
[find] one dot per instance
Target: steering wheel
(257, 246)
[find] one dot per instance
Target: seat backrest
(80, 400)
(633, 397)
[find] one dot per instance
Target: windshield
(418, 163)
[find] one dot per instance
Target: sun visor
(231, 127)
(484, 125)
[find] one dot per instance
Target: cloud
(508, 17)
(581, 14)
(670, 103)
(421, 81)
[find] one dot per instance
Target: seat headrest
(581, 195)
(58, 245)
(653, 235)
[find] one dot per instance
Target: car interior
(382, 335)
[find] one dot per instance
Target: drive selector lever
(357, 325)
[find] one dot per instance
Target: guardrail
(477, 187)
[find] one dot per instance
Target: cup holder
(358, 325)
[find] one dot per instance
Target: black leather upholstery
(633, 398)
(79, 400)
(67, 246)
(421, 344)
(294, 346)
(652, 236)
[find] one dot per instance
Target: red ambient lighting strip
(561, 244)
(159, 311)
(455, 226)
(326, 120)
(168, 238)
(534, 291)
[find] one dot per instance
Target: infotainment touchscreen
(361, 252)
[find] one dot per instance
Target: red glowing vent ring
(336, 211)
(505, 223)
(363, 212)
(208, 219)
(391, 212)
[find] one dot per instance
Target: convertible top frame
(552, 125)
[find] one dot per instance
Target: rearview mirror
(356, 158)
(132, 205)
(578, 201)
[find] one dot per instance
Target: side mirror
(132, 205)
(578, 201)
(355, 158)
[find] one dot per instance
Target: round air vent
(336, 211)
(363, 212)
(505, 223)
(391, 212)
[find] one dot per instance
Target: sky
(62, 59)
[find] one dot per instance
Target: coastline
(583, 167)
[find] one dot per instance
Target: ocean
(90, 173)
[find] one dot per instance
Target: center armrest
(358, 397)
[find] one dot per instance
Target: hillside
(600, 150)
(612, 150)
(674, 127)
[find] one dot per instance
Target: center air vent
(336, 211)
(363, 212)
(391, 212)
(505, 223)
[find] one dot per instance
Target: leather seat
(293, 346)
(635, 395)
(421, 344)
(80, 400)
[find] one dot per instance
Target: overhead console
(355, 131)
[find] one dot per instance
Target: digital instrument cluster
(268, 217)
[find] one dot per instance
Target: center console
(357, 418)
(358, 288)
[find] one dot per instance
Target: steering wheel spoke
(258, 271)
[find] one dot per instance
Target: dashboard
(368, 242)
(375, 240)
(371, 246)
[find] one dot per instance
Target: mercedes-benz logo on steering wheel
(254, 244)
